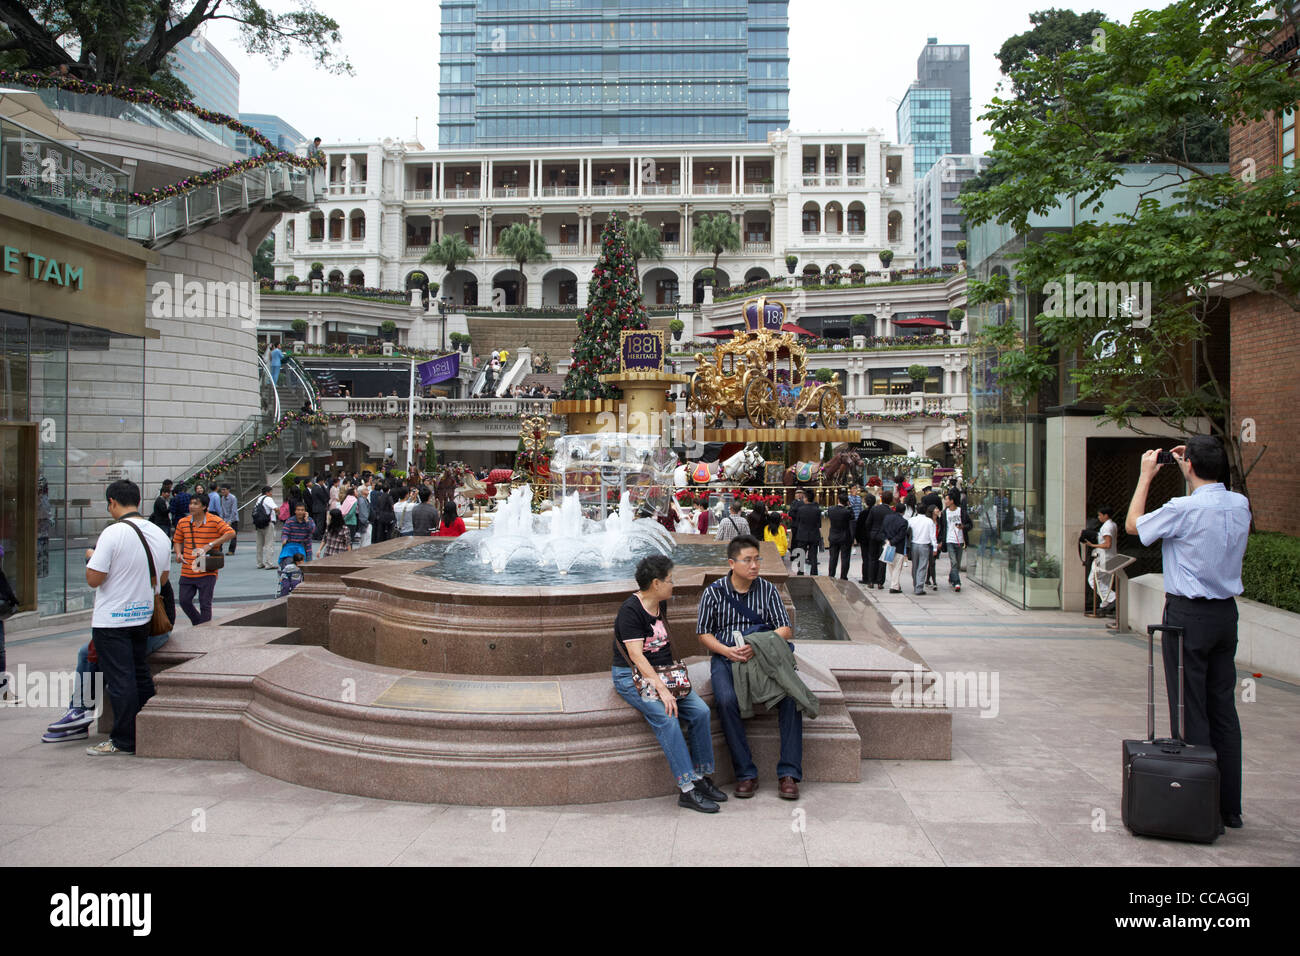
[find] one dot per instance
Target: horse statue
(735, 469)
(843, 468)
(446, 487)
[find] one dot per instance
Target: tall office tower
(934, 115)
(584, 72)
(213, 82)
(275, 128)
(939, 222)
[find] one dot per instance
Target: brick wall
(1266, 389)
(1265, 357)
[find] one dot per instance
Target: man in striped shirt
(299, 530)
(718, 624)
(196, 535)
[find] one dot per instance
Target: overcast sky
(850, 63)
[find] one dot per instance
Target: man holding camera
(1203, 539)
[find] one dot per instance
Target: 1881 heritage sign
(641, 351)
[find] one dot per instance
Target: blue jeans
(954, 565)
(688, 762)
(733, 727)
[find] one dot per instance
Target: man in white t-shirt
(118, 570)
(1105, 549)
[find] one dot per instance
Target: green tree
(524, 243)
(449, 252)
(130, 42)
(1054, 32)
(718, 234)
(430, 455)
(643, 241)
(614, 304)
(262, 259)
(1209, 237)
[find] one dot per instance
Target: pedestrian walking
(197, 538)
(229, 510)
(923, 541)
(264, 514)
(954, 524)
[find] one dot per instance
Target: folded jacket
(769, 676)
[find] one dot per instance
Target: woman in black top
(641, 641)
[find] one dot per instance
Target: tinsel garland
(149, 98)
(906, 416)
(225, 464)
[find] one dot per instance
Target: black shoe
(1229, 820)
(895, 590)
(694, 800)
(708, 788)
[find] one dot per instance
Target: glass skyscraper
(582, 72)
(934, 115)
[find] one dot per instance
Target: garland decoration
(149, 98)
(225, 464)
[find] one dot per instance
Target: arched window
(336, 225)
(812, 220)
(357, 221)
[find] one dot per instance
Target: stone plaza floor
(1037, 784)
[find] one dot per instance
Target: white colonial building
(831, 200)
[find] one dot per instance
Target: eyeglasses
(754, 560)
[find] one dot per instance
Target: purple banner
(440, 369)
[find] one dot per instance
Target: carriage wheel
(830, 408)
(697, 389)
(760, 401)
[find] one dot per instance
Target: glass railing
(94, 104)
(56, 177)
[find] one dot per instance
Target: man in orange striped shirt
(195, 536)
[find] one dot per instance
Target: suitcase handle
(1151, 680)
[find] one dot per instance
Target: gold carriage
(760, 374)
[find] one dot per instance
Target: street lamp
(443, 302)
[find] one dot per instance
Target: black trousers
(841, 554)
(127, 680)
(873, 569)
(810, 554)
(1209, 684)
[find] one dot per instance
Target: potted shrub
(299, 327)
(677, 326)
(317, 271)
(707, 276)
(464, 342)
(886, 257)
(433, 289)
(823, 375)
(387, 328)
(918, 373)
(291, 282)
(790, 262)
(859, 324)
(955, 317)
(961, 249)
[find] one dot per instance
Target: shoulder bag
(160, 623)
(758, 623)
(675, 676)
(209, 562)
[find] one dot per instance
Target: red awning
(716, 334)
(795, 329)
(924, 320)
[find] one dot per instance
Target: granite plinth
(405, 697)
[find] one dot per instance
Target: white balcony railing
(418, 195)
(564, 249)
(509, 192)
(411, 250)
(661, 189)
(812, 181)
(854, 181)
(671, 248)
(710, 189)
(611, 190)
(464, 192)
(758, 189)
(559, 191)
(758, 248)
(451, 408)
(928, 403)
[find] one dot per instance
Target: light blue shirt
(1203, 539)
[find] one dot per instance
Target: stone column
(821, 169)
(740, 187)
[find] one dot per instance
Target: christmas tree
(613, 304)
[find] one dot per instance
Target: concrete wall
(1268, 639)
(201, 374)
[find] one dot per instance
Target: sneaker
(957, 588)
(107, 749)
(77, 718)
(694, 800)
(58, 736)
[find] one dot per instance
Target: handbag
(209, 562)
(674, 675)
(160, 623)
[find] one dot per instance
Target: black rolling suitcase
(1171, 788)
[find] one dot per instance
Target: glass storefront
(1008, 552)
(81, 391)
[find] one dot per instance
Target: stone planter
(1042, 592)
